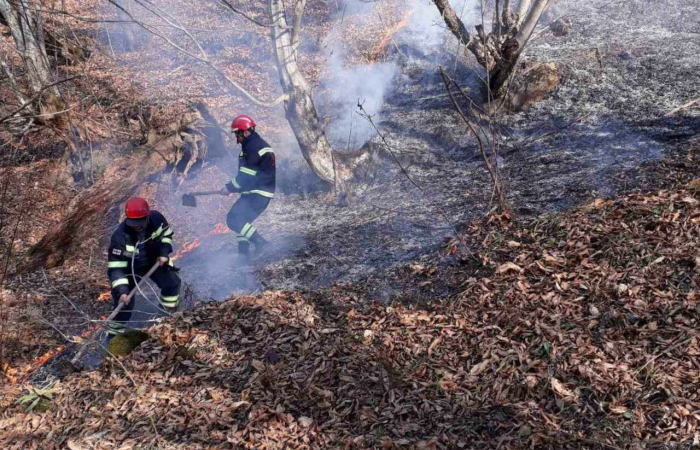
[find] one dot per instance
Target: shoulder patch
(116, 251)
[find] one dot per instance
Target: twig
(489, 165)
(36, 96)
(256, 22)
(76, 359)
(203, 59)
(55, 289)
(687, 105)
(558, 130)
(670, 349)
(440, 210)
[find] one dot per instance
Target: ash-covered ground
(624, 67)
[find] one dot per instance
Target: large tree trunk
(498, 51)
(27, 28)
(299, 107)
(196, 139)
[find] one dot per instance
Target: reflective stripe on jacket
(256, 168)
(123, 248)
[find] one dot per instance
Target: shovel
(191, 198)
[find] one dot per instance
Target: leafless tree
(26, 24)
(300, 108)
(499, 50)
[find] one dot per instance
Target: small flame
(105, 297)
(9, 373)
(40, 361)
(187, 248)
(220, 228)
(381, 47)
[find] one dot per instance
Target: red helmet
(242, 123)
(137, 208)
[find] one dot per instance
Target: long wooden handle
(197, 194)
(120, 306)
(75, 361)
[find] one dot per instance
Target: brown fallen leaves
(586, 332)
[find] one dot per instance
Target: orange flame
(187, 248)
(40, 361)
(220, 228)
(105, 297)
(381, 47)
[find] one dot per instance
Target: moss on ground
(125, 343)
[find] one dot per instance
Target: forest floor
(387, 334)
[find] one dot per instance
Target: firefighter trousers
(240, 219)
(167, 280)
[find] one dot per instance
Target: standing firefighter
(255, 181)
(142, 239)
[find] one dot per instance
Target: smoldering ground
(599, 126)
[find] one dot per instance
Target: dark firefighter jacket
(158, 241)
(256, 168)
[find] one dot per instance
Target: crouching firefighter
(142, 239)
(255, 181)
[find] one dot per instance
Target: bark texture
(26, 25)
(299, 107)
(499, 50)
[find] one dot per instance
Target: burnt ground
(602, 132)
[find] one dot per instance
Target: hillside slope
(583, 335)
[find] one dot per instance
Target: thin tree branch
(493, 171)
(439, 208)
(205, 60)
(255, 21)
(13, 82)
(530, 23)
(296, 27)
(457, 27)
(523, 8)
(36, 96)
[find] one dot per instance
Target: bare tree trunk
(299, 107)
(27, 29)
(499, 50)
(523, 8)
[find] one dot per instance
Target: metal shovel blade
(189, 200)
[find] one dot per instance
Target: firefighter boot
(261, 245)
(243, 250)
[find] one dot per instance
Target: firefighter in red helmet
(143, 238)
(255, 181)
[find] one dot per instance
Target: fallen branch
(669, 350)
(680, 108)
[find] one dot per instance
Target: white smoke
(338, 96)
(342, 93)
